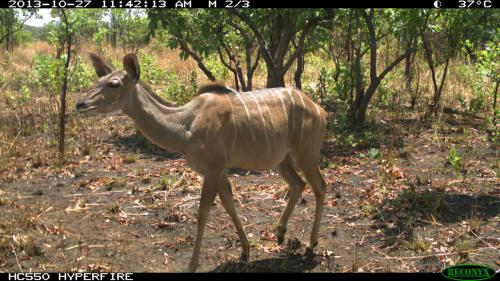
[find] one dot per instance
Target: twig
(437, 255)
(78, 252)
(482, 240)
(97, 246)
(93, 194)
(75, 246)
(15, 255)
(248, 225)
(194, 198)
(137, 214)
(12, 143)
(178, 183)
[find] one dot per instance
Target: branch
(394, 63)
(378, 39)
(294, 44)
(260, 37)
(230, 54)
(184, 46)
(221, 56)
(241, 30)
(444, 74)
(254, 66)
(249, 43)
(308, 27)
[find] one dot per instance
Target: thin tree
(442, 46)
(358, 108)
(68, 38)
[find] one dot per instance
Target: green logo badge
(468, 272)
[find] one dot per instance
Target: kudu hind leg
(226, 197)
(295, 187)
(310, 168)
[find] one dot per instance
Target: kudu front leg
(208, 192)
(226, 197)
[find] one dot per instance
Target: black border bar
(95, 276)
(228, 4)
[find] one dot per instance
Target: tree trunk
(408, 72)
(353, 112)
(299, 70)
(64, 88)
(241, 78)
(495, 96)
(437, 90)
(358, 112)
(414, 95)
(236, 83)
(113, 31)
(275, 79)
(359, 119)
(350, 60)
(357, 78)
(10, 26)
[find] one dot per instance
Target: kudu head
(111, 90)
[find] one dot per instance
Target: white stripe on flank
(293, 109)
(248, 115)
(282, 103)
(273, 127)
(317, 110)
(303, 117)
(235, 135)
(263, 123)
(268, 112)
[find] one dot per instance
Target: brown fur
(214, 87)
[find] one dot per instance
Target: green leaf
(373, 152)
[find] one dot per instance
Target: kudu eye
(114, 84)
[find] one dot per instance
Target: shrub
(153, 74)
(178, 92)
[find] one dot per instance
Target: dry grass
(29, 130)
(166, 59)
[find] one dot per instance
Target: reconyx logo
(466, 272)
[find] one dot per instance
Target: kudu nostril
(80, 105)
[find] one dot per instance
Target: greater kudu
(222, 128)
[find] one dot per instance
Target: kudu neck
(162, 125)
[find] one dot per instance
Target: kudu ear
(100, 66)
(131, 65)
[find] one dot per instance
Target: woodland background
(411, 153)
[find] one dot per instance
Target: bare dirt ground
(119, 204)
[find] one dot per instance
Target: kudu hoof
(280, 239)
(244, 257)
(310, 250)
(191, 268)
(280, 234)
